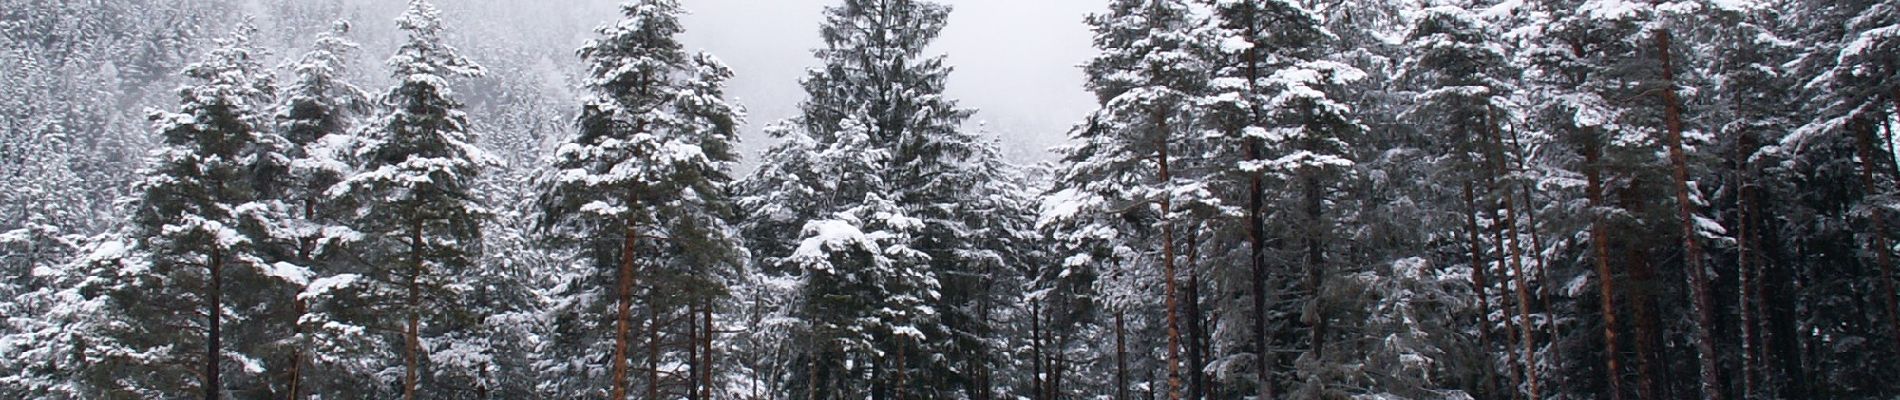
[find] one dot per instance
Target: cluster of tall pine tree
(1276, 199)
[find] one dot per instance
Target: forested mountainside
(1276, 199)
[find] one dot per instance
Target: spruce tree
(420, 225)
(197, 231)
(641, 191)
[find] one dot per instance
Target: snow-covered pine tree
(1281, 97)
(877, 126)
(420, 226)
(317, 117)
(1121, 171)
(198, 230)
(641, 191)
(1460, 78)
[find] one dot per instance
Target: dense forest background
(1387, 199)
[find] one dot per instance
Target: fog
(1016, 62)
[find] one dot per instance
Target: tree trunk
(1606, 280)
(412, 334)
(706, 350)
(1537, 254)
(1167, 256)
(1315, 259)
(214, 340)
(693, 367)
(1704, 299)
(623, 310)
(903, 376)
(1864, 140)
(1256, 225)
(1642, 297)
(1121, 357)
(1506, 198)
(653, 347)
(1196, 327)
(1747, 274)
(1480, 285)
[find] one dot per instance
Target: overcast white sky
(1016, 61)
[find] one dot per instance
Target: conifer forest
(1265, 199)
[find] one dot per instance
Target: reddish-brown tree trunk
(623, 310)
(1481, 286)
(706, 351)
(1703, 299)
(1864, 140)
(1167, 256)
(1606, 280)
(1526, 336)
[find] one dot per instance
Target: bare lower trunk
(1606, 279)
(1882, 245)
(706, 351)
(1747, 273)
(1167, 259)
(1480, 285)
(903, 376)
(1526, 336)
(623, 310)
(1703, 298)
(1315, 261)
(1196, 328)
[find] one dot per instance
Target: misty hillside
(949, 199)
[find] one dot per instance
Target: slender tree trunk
(1506, 197)
(706, 351)
(623, 309)
(1256, 225)
(1167, 257)
(1480, 285)
(214, 340)
(1537, 254)
(296, 354)
(903, 376)
(653, 346)
(693, 367)
(1704, 300)
(811, 388)
(1606, 279)
(412, 335)
(1196, 328)
(1121, 357)
(1882, 245)
(1643, 277)
(1751, 337)
(1508, 301)
(1315, 259)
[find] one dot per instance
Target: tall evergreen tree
(197, 232)
(643, 186)
(420, 225)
